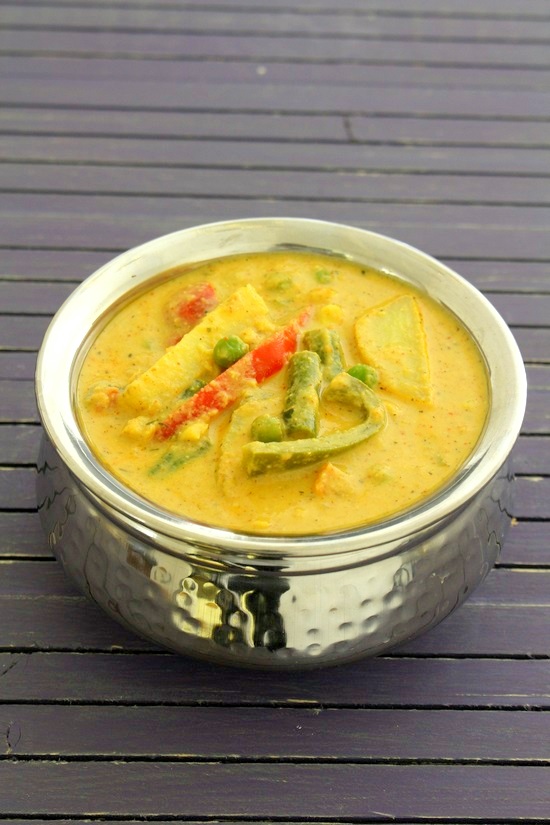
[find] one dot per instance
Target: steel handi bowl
(259, 601)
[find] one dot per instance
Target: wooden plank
(444, 231)
(537, 418)
(268, 126)
(266, 48)
(522, 310)
(358, 186)
(159, 679)
(17, 488)
(533, 343)
(165, 19)
(22, 536)
(17, 403)
(17, 365)
(67, 623)
(50, 264)
(526, 544)
(532, 497)
(296, 733)
(300, 98)
(33, 298)
(19, 444)
(475, 630)
(432, 8)
(269, 155)
(379, 130)
(22, 333)
(449, 131)
(218, 71)
(532, 456)
(297, 790)
(532, 220)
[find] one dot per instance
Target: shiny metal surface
(261, 601)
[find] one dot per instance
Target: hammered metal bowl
(258, 601)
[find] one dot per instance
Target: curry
(282, 393)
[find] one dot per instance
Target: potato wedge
(391, 338)
(158, 388)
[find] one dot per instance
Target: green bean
(262, 458)
(301, 407)
(177, 456)
(228, 350)
(326, 343)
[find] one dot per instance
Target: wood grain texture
(191, 733)
(19, 365)
(165, 679)
(429, 131)
(377, 791)
(333, 25)
(433, 8)
(443, 231)
(19, 442)
(249, 97)
(265, 48)
(250, 185)
(22, 536)
(125, 119)
(22, 333)
(273, 154)
(215, 70)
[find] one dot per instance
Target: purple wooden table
(425, 119)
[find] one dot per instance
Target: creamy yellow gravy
(420, 448)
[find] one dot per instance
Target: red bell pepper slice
(189, 306)
(257, 365)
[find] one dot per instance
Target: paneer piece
(159, 387)
(391, 338)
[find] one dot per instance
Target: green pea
(323, 276)
(278, 281)
(267, 428)
(228, 350)
(364, 373)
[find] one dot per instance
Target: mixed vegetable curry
(282, 393)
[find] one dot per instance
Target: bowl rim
(57, 363)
